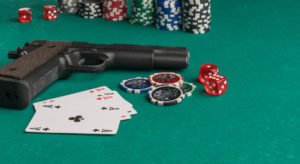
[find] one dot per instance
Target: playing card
(97, 98)
(76, 122)
(85, 104)
(73, 97)
(111, 97)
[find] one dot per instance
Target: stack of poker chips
(115, 10)
(169, 88)
(163, 88)
(68, 6)
(196, 16)
(168, 14)
(143, 12)
(89, 9)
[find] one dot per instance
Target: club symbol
(96, 130)
(76, 118)
(104, 108)
(46, 129)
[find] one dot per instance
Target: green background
(255, 43)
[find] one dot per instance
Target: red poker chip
(120, 12)
(115, 10)
(114, 19)
(166, 78)
(113, 16)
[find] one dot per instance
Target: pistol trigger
(89, 64)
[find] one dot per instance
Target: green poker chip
(188, 88)
(143, 12)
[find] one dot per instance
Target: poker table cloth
(256, 45)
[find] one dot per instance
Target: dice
(207, 70)
(215, 85)
(50, 12)
(25, 15)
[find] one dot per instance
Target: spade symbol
(96, 130)
(76, 118)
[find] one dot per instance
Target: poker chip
(68, 6)
(166, 95)
(188, 88)
(89, 9)
(166, 78)
(168, 15)
(143, 12)
(115, 10)
(136, 85)
(196, 16)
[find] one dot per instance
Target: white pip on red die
(50, 12)
(25, 15)
(216, 85)
(207, 70)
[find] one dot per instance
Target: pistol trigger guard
(87, 62)
(88, 68)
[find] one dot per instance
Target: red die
(216, 85)
(25, 15)
(50, 12)
(207, 70)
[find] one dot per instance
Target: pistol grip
(23, 79)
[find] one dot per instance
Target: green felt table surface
(256, 45)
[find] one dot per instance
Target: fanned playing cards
(96, 111)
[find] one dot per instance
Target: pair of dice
(214, 83)
(50, 13)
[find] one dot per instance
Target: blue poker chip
(136, 85)
(168, 15)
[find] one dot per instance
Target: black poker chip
(89, 9)
(196, 16)
(166, 95)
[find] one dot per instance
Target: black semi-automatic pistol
(40, 63)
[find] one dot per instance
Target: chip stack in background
(168, 14)
(196, 16)
(68, 6)
(143, 12)
(90, 9)
(115, 10)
